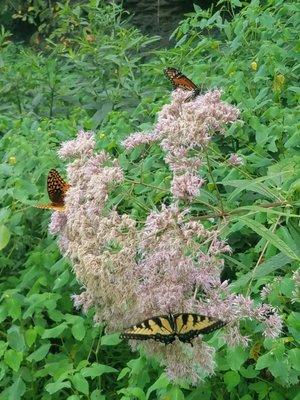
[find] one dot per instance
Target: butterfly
(166, 328)
(57, 189)
(179, 80)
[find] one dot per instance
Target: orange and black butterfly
(179, 80)
(57, 189)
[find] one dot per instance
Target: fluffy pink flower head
(100, 243)
(183, 127)
(235, 159)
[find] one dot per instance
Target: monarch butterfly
(57, 189)
(166, 328)
(179, 80)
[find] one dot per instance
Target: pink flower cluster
(170, 265)
(184, 128)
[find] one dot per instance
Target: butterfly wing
(157, 328)
(179, 80)
(188, 326)
(57, 189)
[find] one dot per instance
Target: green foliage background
(90, 69)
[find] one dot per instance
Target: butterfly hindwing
(158, 328)
(179, 80)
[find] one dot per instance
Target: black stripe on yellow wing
(158, 328)
(188, 326)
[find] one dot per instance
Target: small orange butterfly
(57, 189)
(179, 80)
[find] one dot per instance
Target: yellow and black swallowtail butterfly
(57, 189)
(166, 328)
(179, 80)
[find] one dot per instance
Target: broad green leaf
(80, 383)
(161, 383)
(236, 356)
(270, 237)
(231, 379)
(54, 332)
(294, 358)
(3, 347)
(17, 389)
(111, 340)
(96, 370)
(175, 394)
(13, 359)
(134, 392)
(56, 386)
(4, 236)
(16, 339)
(62, 280)
(40, 353)
(96, 395)
(78, 331)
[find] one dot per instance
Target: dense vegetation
(92, 70)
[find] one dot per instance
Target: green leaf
(78, 331)
(111, 340)
(294, 358)
(270, 237)
(16, 339)
(96, 370)
(54, 332)
(175, 393)
(161, 383)
(133, 392)
(3, 347)
(264, 361)
(13, 359)
(231, 379)
(62, 280)
(40, 353)
(96, 395)
(17, 389)
(236, 356)
(4, 236)
(80, 383)
(56, 386)
(123, 373)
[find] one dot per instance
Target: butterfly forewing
(57, 189)
(179, 80)
(189, 326)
